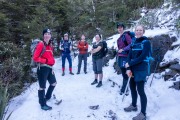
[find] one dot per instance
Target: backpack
(131, 34)
(104, 49)
(33, 46)
(149, 58)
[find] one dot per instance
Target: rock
(175, 61)
(160, 45)
(176, 85)
(175, 67)
(164, 65)
(169, 74)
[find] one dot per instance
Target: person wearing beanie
(45, 72)
(123, 44)
(66, 47)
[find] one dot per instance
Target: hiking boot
(130, 108)
(94, 82)
(78, 73)
(140, 116)
(42, 100)
(85, 72)
(63, 73)
(46, 107)
(99, 84)
(71, 73)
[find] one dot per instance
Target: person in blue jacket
(137, 69)
(66, 47)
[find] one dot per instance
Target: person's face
(47, 36)
(120, 29)
(139, 31)
(83, 37)
(65, 37)
(97, 38)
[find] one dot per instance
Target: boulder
(175, 67)
(160, 45)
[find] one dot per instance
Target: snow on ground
(77, 95)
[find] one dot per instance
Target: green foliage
(14, 67)
(3, 100)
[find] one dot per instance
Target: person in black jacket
(97, 58)
(137, 69)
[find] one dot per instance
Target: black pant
(125, 79)
(140, 89)
(80, 58)
(45, 73)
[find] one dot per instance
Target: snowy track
(77, 95)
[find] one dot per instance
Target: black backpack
(104, 49)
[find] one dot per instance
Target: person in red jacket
(44, 70)
(83, 49)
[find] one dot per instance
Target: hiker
(83, 49)
(123, 43)
(97, 58)
(137, 68)
(44, 70)
(66, 47)
(74, 46)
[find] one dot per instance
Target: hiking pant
(45, 73)
(121, 63)
(138, 87)
(68, 56)
(125, 79)
(80, 58)
(97, 66)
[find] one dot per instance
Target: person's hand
(129, 73)
(126, 65)
(92, 51)
(120, 51)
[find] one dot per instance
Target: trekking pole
(153, 74)
(126, 88)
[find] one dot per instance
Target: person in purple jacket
(123, 44)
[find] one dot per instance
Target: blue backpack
(131, 34)
(149, 58)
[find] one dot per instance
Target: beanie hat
(46, 31)
(119, 24)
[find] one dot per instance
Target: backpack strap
(43, 50)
